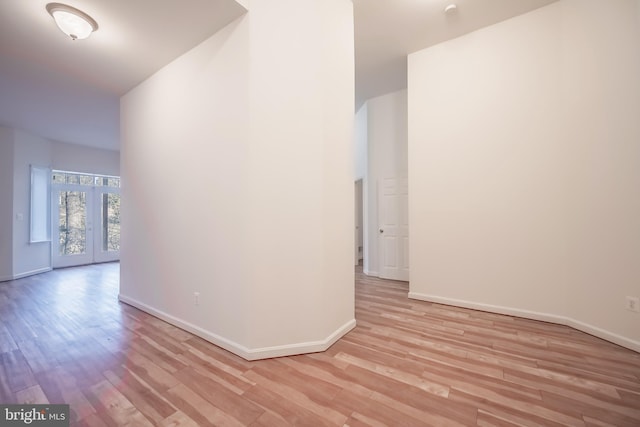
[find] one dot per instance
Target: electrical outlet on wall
(196, 298)
(632, 304)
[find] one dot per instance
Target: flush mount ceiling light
(73, 22)
(450, 8)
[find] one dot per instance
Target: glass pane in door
(73, 222)
(110, 216)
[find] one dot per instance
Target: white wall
(238, 183)
(602, 107)
(79, 158)
(6, 207)
(184, 183)
(524, 171)
(387, 157)
(28, 258)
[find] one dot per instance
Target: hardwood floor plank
(621, 417)
(298, 397)
(6, 340)
(36, 360)
(359, 420)
(221, 397)
(158, 355)
(479, 384)
(543, 376)
(108, 400)
(226, 358)
(319, 391)
(32, 395)
(436, 418)
(16, 325)
(319, 370)
(407, 363)
(282, 412)
(593, 398)
(229, 375)
(461, 363)
(401, 376)
(60, 386)
(487, 419)
(158, 335)
(373, 412)
(296, 388)
(199, 409)
(6, 394)
(178, 419)
(149, 371)
(592, 422)
(269, 419)
(93, 420)
(141, 395)
(529, 413)
(631, 398)
(19, 375)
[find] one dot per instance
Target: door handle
(381, 231)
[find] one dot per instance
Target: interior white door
(72, 219)
(393, 228)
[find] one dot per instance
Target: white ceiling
(386, 31)
(69, 90)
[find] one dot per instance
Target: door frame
(397, 232)
(93, 223)
(60, 261)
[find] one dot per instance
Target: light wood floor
(64, 338)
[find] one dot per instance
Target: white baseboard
(370, 272)
(605, 335)
(25, 274)
(238, 349)
(302, 348)
(545, 317)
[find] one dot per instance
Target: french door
(106, 233)
(86, 221)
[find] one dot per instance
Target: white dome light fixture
(450, 8)
(73, 22)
